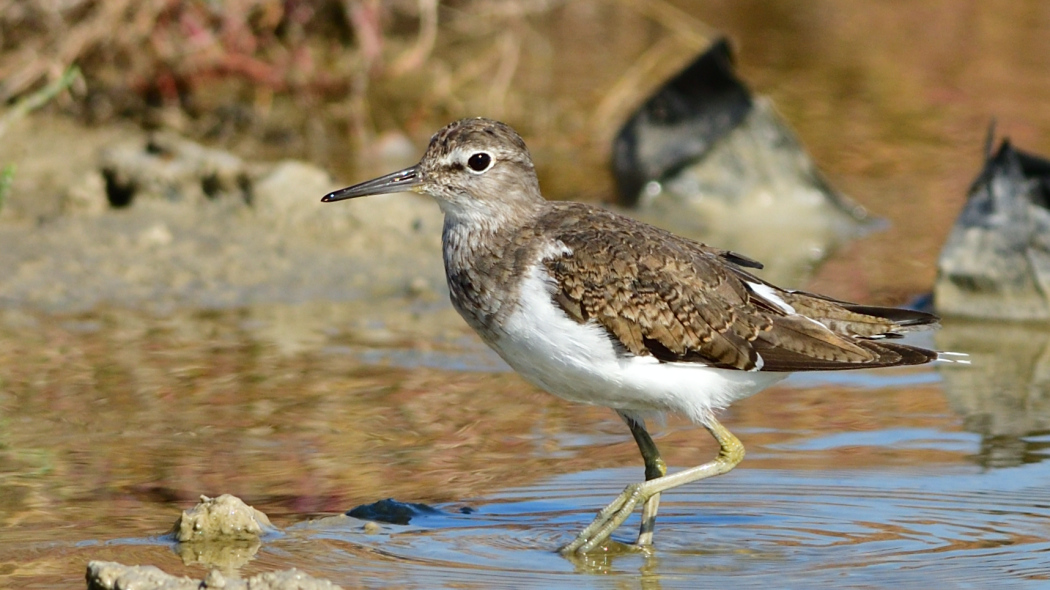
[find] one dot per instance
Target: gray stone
(704, 158)
(996, 261)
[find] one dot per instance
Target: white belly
(579, 363)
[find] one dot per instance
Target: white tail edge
(964, 359)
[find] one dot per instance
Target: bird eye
(479, 162)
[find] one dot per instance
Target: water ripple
(752, 528)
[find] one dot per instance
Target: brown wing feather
(656, 295)
(671, 298)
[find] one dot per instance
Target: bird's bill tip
(395, 182)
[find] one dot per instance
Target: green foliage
(7, 175)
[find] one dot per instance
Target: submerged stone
(391, 511)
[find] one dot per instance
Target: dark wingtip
(741, 260)
(908, 355)
(737, 258)
(902, 317)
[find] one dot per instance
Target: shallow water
(112, 421)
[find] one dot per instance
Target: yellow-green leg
(730, 453)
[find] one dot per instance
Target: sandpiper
(601, 309)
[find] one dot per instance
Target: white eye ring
(479, 162)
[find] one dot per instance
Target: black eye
(479, 162)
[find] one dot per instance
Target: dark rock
(679, 123)
(391, 511)
(704, 158)
(996, 261)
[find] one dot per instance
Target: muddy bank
(66, 246)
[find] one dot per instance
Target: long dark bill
(395, 182)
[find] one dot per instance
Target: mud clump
(226, 518)
(108, 575)
(174, 167)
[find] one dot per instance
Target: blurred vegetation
(7, 176)
(24, 106)
(141, 55)
(279, 77)
(217, 67)
(39, 98)
(329, 80)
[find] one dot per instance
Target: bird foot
(609, 519)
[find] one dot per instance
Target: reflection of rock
(702, 158)
(996, 262)
(107, 575)
(1004, 394)
(228, 556)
